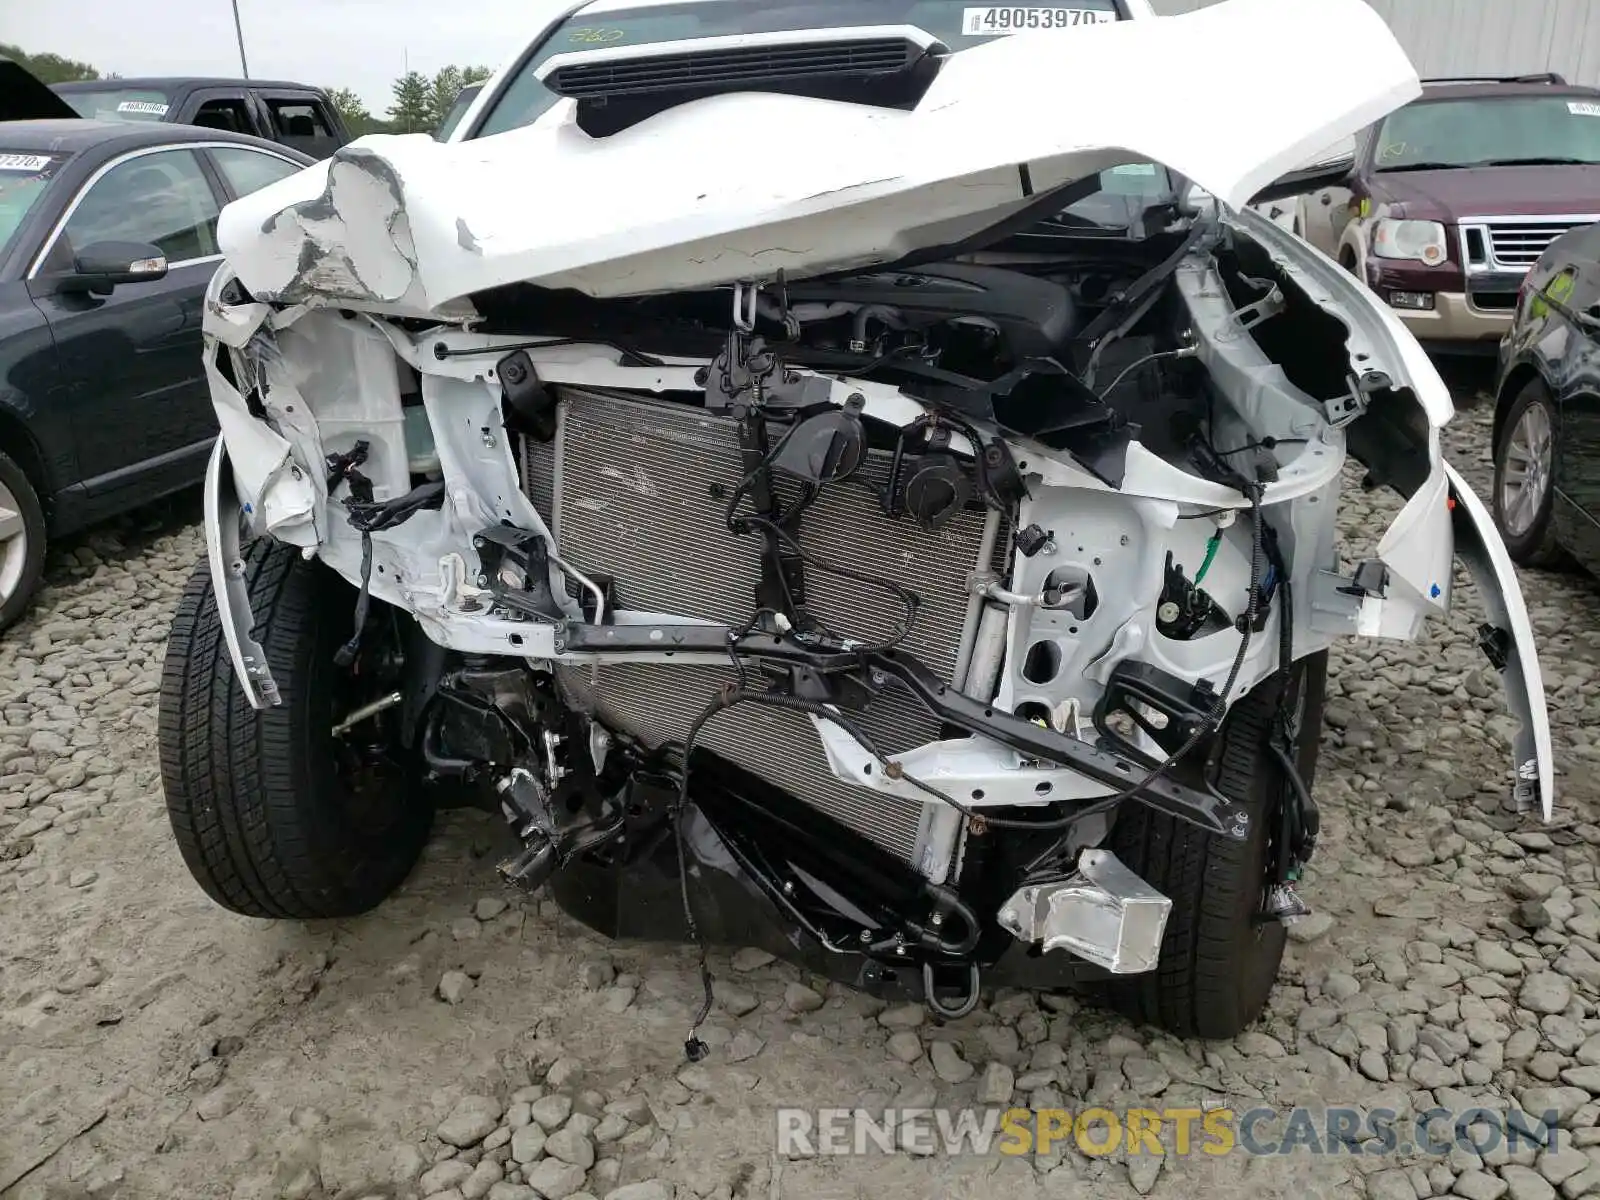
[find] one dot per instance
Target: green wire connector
(1211, 553)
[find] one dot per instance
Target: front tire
(274, 816)
(22, 539)
(1219, 956)
(1524, 477)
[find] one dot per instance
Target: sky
(359, 44)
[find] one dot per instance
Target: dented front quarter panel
(1442, 521)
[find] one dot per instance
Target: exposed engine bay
(875, 599)
(932, 553)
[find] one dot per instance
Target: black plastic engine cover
(1034, 315)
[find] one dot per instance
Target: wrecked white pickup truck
(848, 478)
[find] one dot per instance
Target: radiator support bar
(1207, 809)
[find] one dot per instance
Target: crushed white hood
(739, 187)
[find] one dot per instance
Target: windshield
(24, 179)
(119, 104)
(1490, 131)
(956, 24)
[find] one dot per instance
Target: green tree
(353, 110)
(442, 94)
(351, 106)
(50, 68)
(447, 85)
(412, 110)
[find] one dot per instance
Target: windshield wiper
(1426, 166)
(1537, 162)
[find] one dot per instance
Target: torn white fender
(226, 561)
(1478, 545)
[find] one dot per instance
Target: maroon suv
(1452, 198)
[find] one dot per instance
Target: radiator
(628, 489)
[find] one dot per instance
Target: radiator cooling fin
(636, 489)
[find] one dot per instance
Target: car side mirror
(99, 267)
(1328, 173)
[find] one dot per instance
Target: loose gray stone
(470, 1121)
(1259, 1045)
(1493, 956)
(1588, 1078)
(905, 1045)
(736, 999)
(650, 1189)
(1142, 1171)
(750, 959)
(454, 986)
(219, 1102)
(1532, 914)
(998, 1084)
(744, 1046)
(904, 1016)
(551, 1111)
(1339, 987)
(1148, 1077)
(1479, 1185)
(570, 1147)
(490, 907)
(1311, 927)
(484, 1176)
(948, 1063)
(1545, 992)
(801, 999)
(1560, 1164)
(1390, 1185)
(554, 1179)
(1525, 1184)
(527, 1143)
(563, 1071)
(1563, 1101)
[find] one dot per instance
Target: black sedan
(1547, 422)
(108, 237)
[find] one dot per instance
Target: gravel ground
(463, 1043)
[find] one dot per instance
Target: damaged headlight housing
(1418, 241)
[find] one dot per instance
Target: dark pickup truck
(291, 114)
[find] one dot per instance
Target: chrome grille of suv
(1515, 244)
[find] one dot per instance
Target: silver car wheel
(1525, 474)
(13, 544)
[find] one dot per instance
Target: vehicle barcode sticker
(149, 107)
(24, 162)
(996, 22)
(1583, 108)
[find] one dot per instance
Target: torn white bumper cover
(404, 226)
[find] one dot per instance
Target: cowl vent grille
(722, 70)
